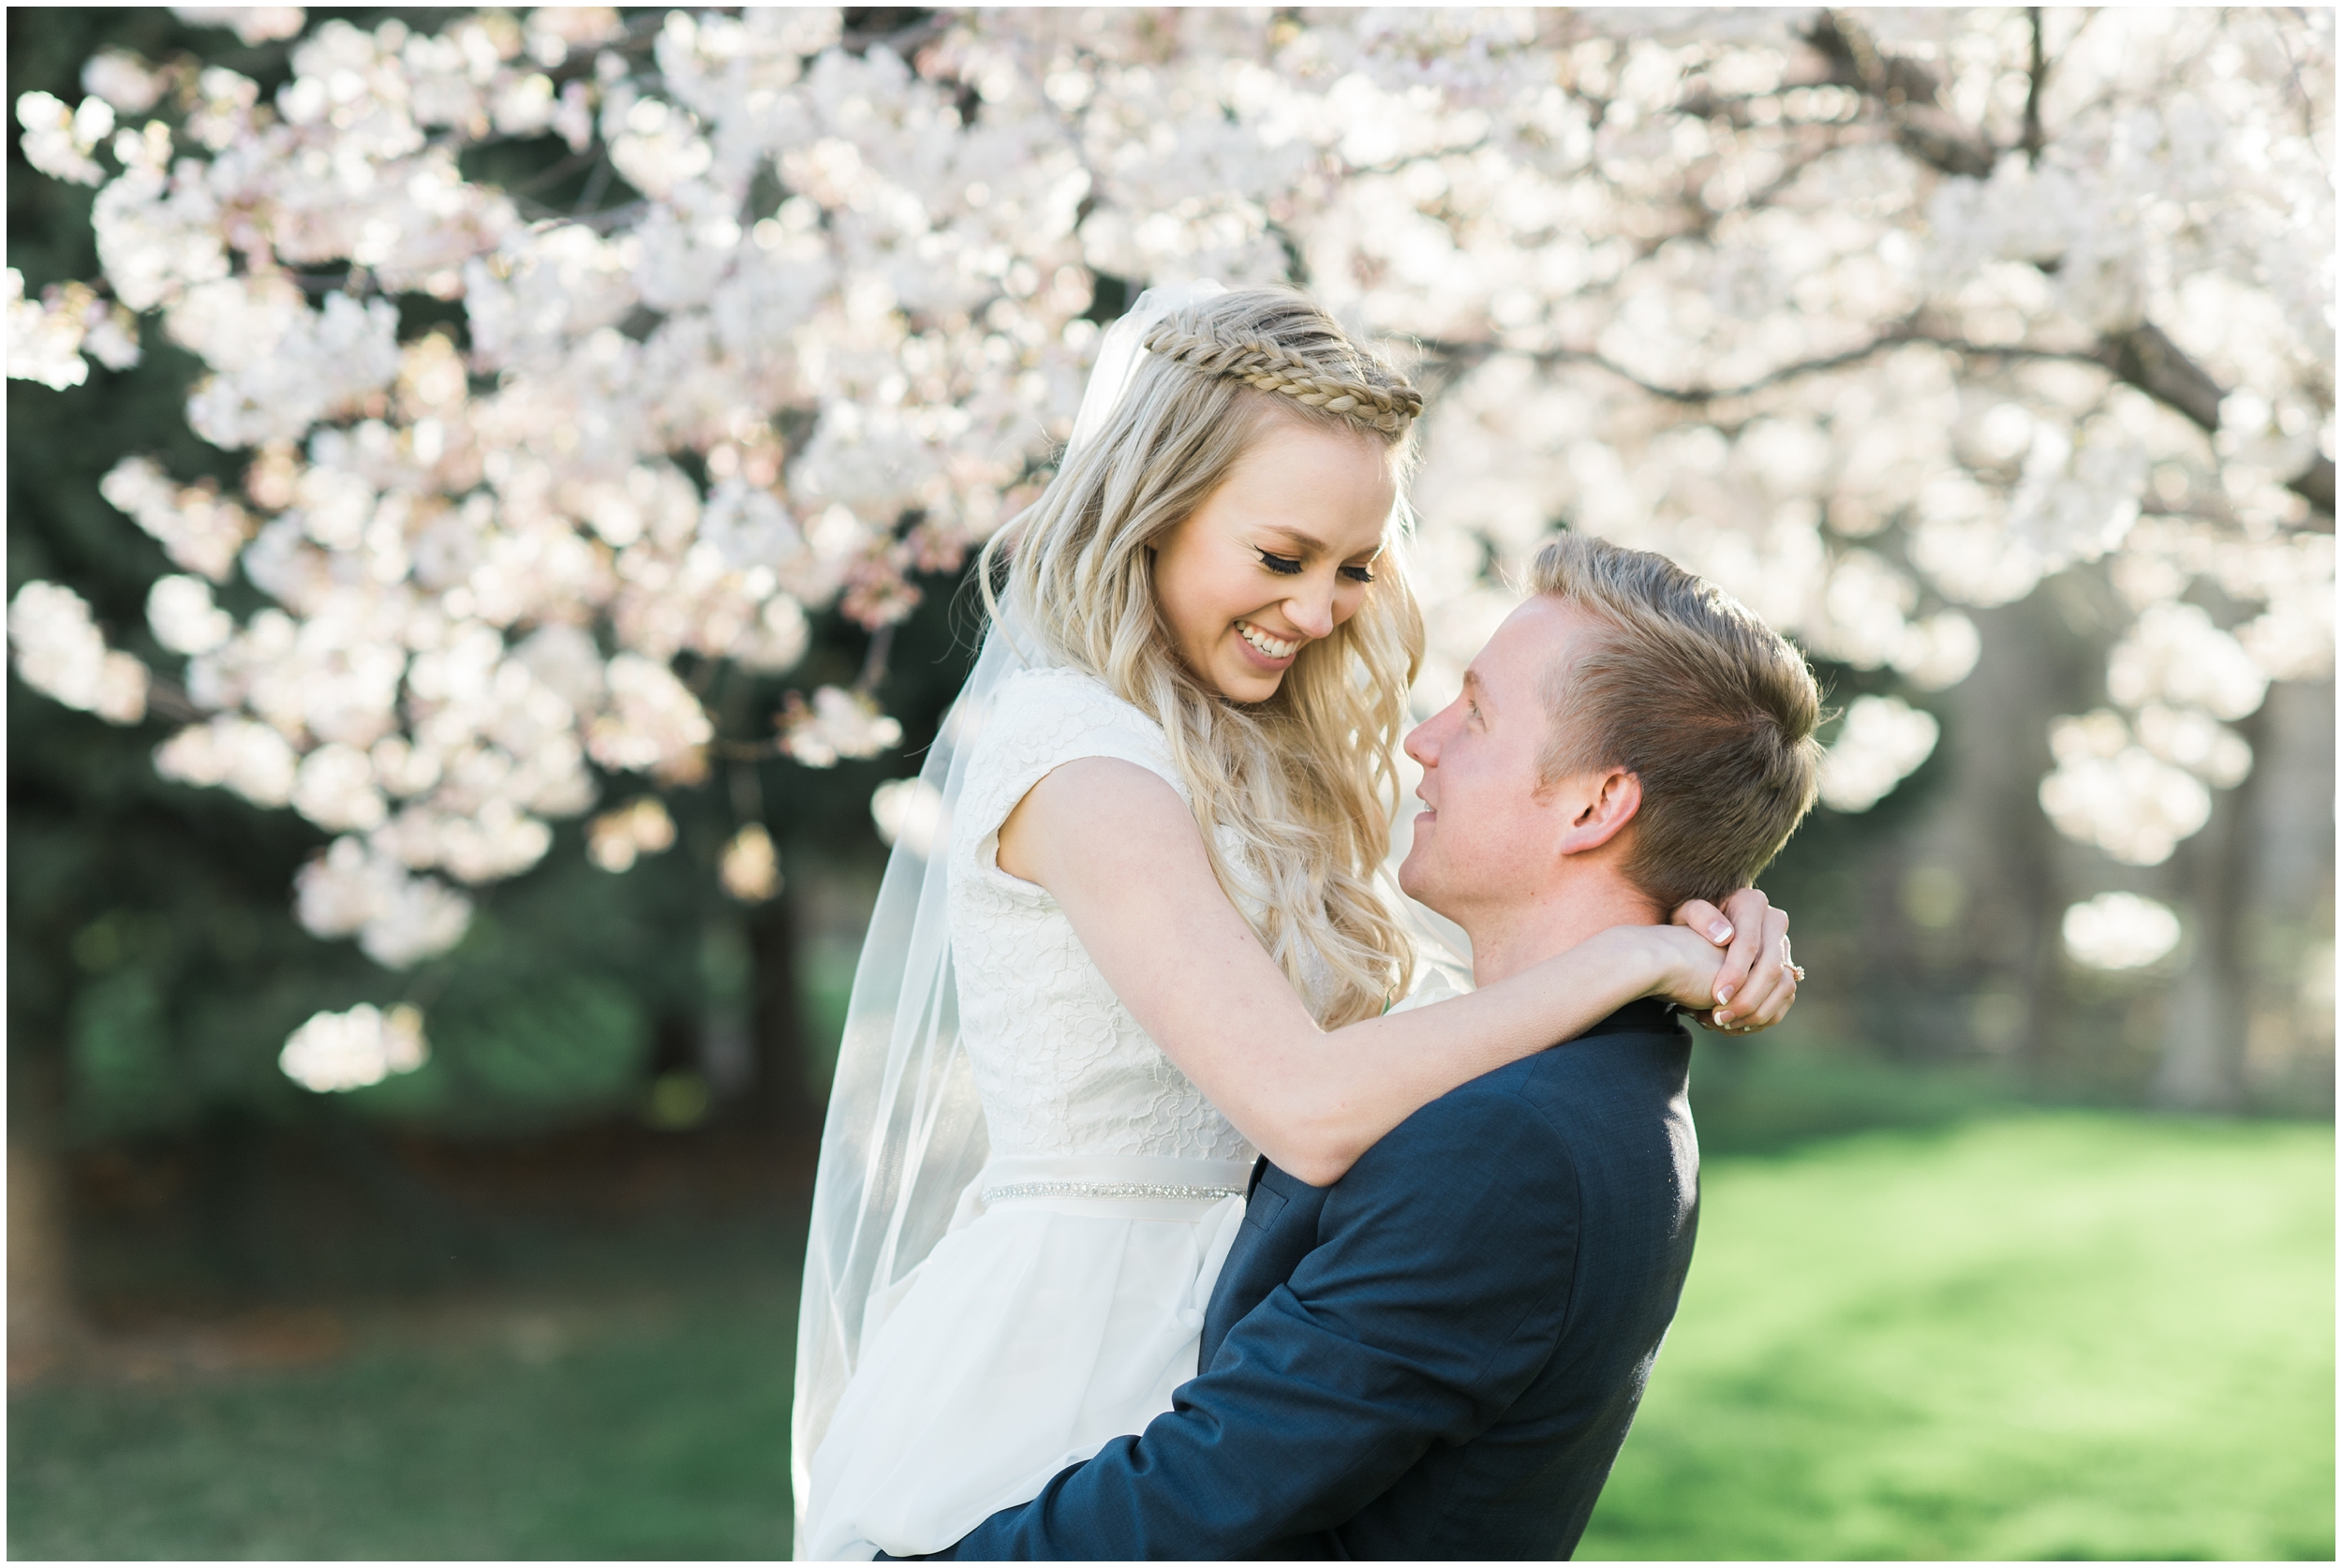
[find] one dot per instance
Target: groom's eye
(1283, 566)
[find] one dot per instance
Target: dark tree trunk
(43, 1323)
(2260, 880)
(785, 1097)
(2203, 1027)
(1991, 978)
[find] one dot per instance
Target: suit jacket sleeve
(1436, 1291)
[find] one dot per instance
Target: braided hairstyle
(1261, 365)
(1294, 795)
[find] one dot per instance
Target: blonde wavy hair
(1305, 781)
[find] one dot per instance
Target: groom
(1438, 1355)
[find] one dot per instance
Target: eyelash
(1288, 566)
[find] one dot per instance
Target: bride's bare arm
(1123, 858)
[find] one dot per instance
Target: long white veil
(905, 1133)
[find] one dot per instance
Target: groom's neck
(1506, 940)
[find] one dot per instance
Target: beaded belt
(1106, 1190)
(1163, 1178)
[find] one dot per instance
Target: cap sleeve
(1041, 720)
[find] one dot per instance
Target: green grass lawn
(2070, 1335)
(641, 1434)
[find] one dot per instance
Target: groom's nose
(1422, 745)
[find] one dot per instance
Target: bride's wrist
(1653, 960)
(1625, 964)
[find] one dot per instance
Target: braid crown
(1263, 365)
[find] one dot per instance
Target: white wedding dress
(1064, 1303)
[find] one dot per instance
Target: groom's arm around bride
(1439, 1355)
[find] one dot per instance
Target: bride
(1146, 940)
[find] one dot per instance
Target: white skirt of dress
(1061, 1309)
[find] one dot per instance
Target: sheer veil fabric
(905, 1135)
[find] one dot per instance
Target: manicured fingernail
(1724, 994)
(1724, 1016)
(1720, 932)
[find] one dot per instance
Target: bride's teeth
(1272, 646)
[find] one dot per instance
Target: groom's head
(1630, 728)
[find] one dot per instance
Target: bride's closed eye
(1290, 565)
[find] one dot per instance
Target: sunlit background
(489, 495)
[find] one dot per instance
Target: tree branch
(166, 700)
(901, 29)
(2032, 142)
(1901, 335)
(2145, 357)
(2142, 358)
(1907, 92)
(2315, 484)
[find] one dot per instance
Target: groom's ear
(1601, 802)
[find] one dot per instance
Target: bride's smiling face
(1276, 557)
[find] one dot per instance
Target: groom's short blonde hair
(1687, 689)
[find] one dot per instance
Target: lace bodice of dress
(1061, 1065)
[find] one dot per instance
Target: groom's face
(1484, 839)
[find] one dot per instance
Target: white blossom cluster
(2120, 931)
(909, 811)
(49, 337)
(749, 866)
(1883, 741)
(616, 839)
(59, 650)
(1848, 311)
(336, 1051)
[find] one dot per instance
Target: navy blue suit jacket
(1438, 1355)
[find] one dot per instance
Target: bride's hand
(1758, 983)
(1677, 965)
